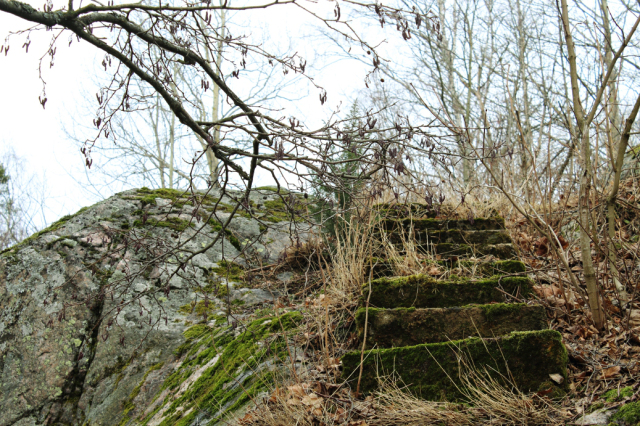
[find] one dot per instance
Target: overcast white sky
(38, 135)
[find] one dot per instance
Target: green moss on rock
(202, 307)
(409, 326)
(433, 371)
(51, 228)
(230, 270)
(229, 379)
(423, 291)
(627, 415)
(217, 227)
(613, 395)
(128, 403)
(174, 223)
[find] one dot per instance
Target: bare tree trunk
(614, 144)
(156, 134)
(582, 136)
(215, 113)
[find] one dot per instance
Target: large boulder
(96, 309)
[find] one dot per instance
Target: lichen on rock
(93, 324)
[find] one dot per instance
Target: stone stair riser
(422, 291)
(454, 236)
(409, 326)
(433, 371)
(381, 268)
(501, 251)
(480, 224)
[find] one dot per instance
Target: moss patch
(627, 415)
(614, 396)
(128, 403)
(201, 308)
(433, 371)
(52, 228)
(230, 270)
(222, 384)
(217, 227)
(148, 196)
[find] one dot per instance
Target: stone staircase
(432, 332)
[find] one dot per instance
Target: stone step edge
(424, 291)
(395, 210)
(479, 224)
(384, 267)
(501, 251)
(447, 250)
(413, 326)
(477, 238)
(531, 357)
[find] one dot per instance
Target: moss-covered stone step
(429, 224)
(423, 291)
(398, 211)
(388, 328)
(455, 236)
(385, 268)
(446, 250)
(432, 371)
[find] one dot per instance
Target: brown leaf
(312, 400)
(297, 390)
(434, 271)
(541, 246)
(563, 242)
(610, 372)
(545, 392)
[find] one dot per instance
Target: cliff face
(103, 323)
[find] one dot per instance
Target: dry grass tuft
(353, 249)
(302, 256)
(491, 402)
